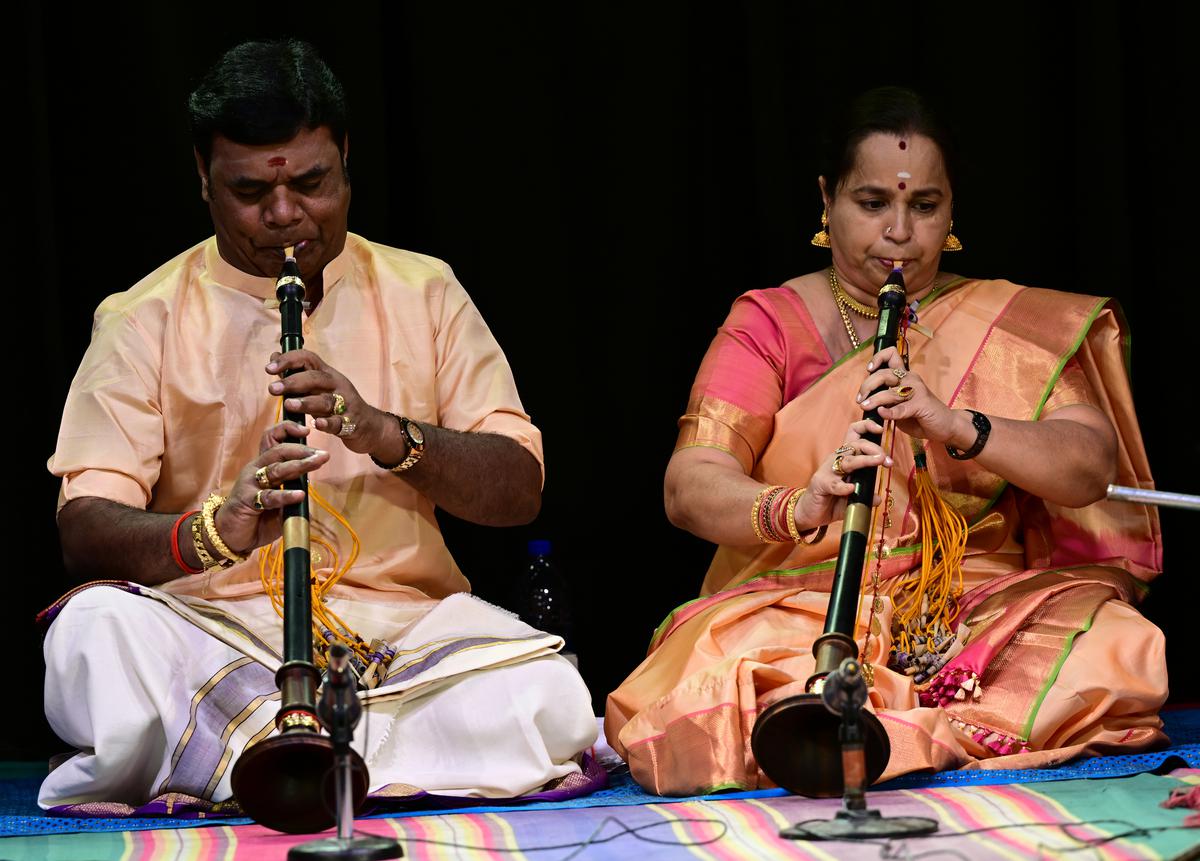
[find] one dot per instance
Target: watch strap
(983, 429)
(416, 448)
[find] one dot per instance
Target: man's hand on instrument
(825, 499)
(906, 399)
(250, 516)
(324, 393)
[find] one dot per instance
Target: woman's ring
(900, 373)
(841, 451)
(258, 503)
(339, 404)
(261, 479)
(837, 459)
(904, 392)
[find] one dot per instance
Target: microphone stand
(340, 711)
(844, 694)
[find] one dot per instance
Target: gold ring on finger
(258, 502)
(339, 404)
(844, 448)
(837, 465)
(900, 373)
(348, 427)
(261, 478)
(904, 392)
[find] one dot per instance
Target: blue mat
(19, 813)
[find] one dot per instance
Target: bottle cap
(539, 547)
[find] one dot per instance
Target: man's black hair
(265, 93)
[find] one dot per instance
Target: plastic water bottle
(543, 600)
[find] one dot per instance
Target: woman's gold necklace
(844, 300)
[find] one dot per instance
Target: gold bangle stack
(763, 514)
(209, 514)
(773, 516)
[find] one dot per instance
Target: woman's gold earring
(951, 243)
(821, 240)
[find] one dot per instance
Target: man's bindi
(276, 161)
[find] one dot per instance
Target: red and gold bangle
(761, 506)
(770, 514)
(789, 514)
(781, 503)
(761, 515)
(175, 552)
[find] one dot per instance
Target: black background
(605, 180)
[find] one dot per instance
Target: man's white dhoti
(160, 694)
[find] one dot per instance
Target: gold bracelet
(790, 515)
(206, 560)
(758, 501)
(211, 506)
(814, 536)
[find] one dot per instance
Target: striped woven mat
(1109, 818)
(623, 820)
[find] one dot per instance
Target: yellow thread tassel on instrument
(270, 572)
(926, 600)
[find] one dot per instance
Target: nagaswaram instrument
(286, 782)
(796, 739)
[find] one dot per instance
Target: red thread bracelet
(178, 557)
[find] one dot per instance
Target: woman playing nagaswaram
(1025, 653)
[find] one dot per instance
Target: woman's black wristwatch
(983, 429)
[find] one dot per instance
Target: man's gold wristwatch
(413, 437)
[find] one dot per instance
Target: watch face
(413, 431)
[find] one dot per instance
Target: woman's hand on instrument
(825, 499)
(250, 516)
(906, 399)
(321, 391)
